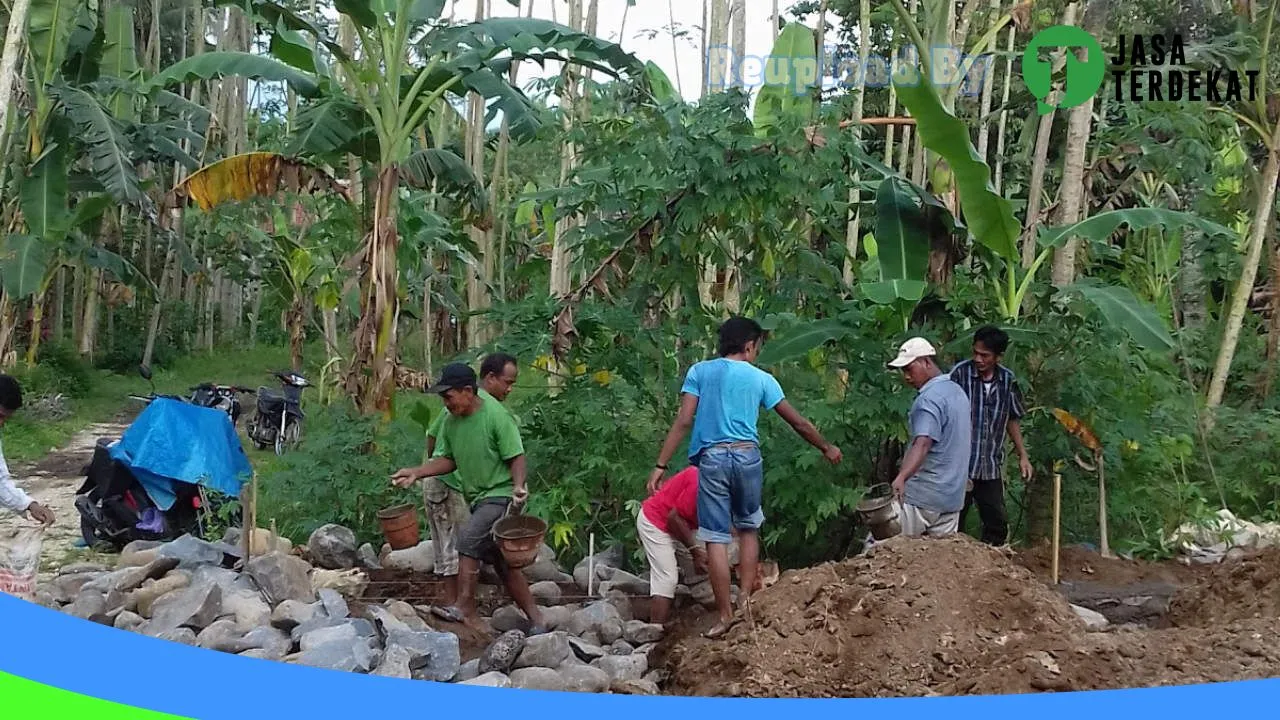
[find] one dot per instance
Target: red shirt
(680, 493)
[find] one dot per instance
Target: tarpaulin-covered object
(176, 441)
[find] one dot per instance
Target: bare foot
(719, 629)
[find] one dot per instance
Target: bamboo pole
(1102, 507)
(1057, 522)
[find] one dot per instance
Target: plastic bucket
(519, 538)
(399, 526)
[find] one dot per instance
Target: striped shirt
(994, 404)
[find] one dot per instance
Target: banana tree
(407, 61)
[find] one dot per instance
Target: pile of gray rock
(292, 606)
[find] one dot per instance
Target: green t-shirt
(438, 424)
(481, 445)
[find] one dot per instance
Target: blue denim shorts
(729, 485)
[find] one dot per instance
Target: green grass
(28, 439)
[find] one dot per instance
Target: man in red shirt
(668, 515)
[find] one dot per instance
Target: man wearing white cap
(931, 484)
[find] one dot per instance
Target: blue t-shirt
(942, 412)
(730, 394)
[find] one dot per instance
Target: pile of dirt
(1242, 589)
(903, 619)
(918, 617)
(1079, 564)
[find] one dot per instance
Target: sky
(646, 32)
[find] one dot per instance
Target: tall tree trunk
(853, 228)
(1190, 283)
(89, 325)
(478, 278)
(1071, 192)
(1262, 217)
(1041, 157)
(988, 80)
(561, 260)
(1004, 112)
(13, 40)
(59, 294)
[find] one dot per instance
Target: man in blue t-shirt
(721, 401)
(931, 484)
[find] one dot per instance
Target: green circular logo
(1083, 78)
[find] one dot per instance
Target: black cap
(454, 376)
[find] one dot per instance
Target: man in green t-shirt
(446, 508)
(480, 451)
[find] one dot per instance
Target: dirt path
(53, 482)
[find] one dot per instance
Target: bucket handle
(871, 491)
(493, 531)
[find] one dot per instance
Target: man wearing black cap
(479, 443)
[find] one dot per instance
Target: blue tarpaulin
(176, 441)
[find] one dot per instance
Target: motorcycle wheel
(288, 438)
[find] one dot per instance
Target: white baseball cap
(912, 350)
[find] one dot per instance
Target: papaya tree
(407, 62)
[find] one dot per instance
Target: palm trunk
(371, 377)
(561, 259)
(1240, 298)
(1004, 113)
(478, 278)
(988, 79)
(89, 325)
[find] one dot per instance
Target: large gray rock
(493, 679)
(282, 577)
(623, 667)
(132, 578)
(396, 663)
(641, 633)
(469, 670)
(612, 558)
(192, 552)
(546, 571)
(420, 558)
(627, 583)
(584, 650)
(634, 687)
(223, 635)
(182, 636)
(248, 608)
(292, 613)
(66, 588)
(584, 678)
(90, 605)
(440, 651)
(334, 604)
(502, 653)
(535, 678)
(344, 633)
(195, 607)
(275, 644)
(384, 620)
(139, 553)
(546, 593)
(333, 547)
(129, 621)
(142, 600)
(620, 602)
(557, 617)
(621, 647)
(407, 615)
(548, 650)
(1092, 619)
(347, 657)
(363, 628)
(509, 617)
(367, 557)
(594, 616)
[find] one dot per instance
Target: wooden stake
(1102, 507)
(591, 564)
(1057, 522)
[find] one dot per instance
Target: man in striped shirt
(997, 410)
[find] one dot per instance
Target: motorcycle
(173, 470)
(277, 420)
(220, 397)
